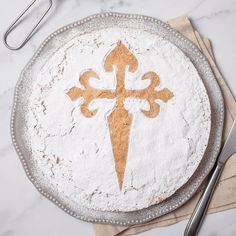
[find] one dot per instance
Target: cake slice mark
(120, 119)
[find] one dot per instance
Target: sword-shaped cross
(120, 119)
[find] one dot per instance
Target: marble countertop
(23, 211)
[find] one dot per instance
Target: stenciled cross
(120, 59)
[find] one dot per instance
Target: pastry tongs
(18, 20)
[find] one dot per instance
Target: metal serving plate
(100, 21)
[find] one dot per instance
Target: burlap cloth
(225, 194)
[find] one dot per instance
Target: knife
(197, 217)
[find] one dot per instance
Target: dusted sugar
(74, 153)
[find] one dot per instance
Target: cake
(117, 120)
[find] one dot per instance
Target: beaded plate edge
(183, 194)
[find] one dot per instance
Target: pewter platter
(99, 21)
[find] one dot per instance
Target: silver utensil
(17, 21)
(197, 217)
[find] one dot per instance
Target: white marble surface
(23, 211)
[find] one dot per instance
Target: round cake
(117, 120)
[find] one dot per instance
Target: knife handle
(197, 217)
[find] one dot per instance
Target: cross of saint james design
(119, 121)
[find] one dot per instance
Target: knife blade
(229, 147)
(197, 217)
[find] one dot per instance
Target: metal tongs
(15, 23)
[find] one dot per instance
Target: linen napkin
(225, 195)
